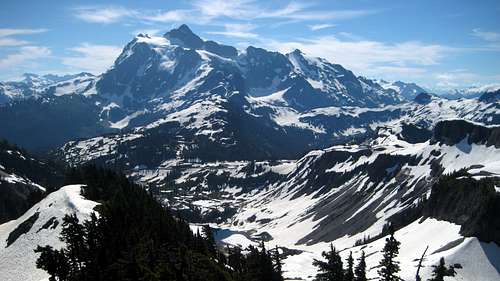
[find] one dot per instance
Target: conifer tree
(349, 272)
(278, 265)
(210, 240)
(360, 270)
(440, 271)
(389, 264)
(331, 269)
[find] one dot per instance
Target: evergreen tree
(389, 265)
(278, 264)
(235, 259)
(54, 262)
(440, 271)
(349, 272)
(210, 240)
(360, 270)
(134, 238)
(331, 269)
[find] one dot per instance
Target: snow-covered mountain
(33, 85)
(471, 92)
(407, 90)
(158, 80)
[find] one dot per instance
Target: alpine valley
(292, 150)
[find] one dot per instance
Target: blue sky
(438, 44)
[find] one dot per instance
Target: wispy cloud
(486, 35)
(168, 16)
(371, 58)
(207, 11)
(92, 58)
(4, 32)
(315, 27)
(23, 55)
(250, 9)
(237, 30)
(9, 42)
(150, 31)
(242, 9)
(99, 14)
(6, 35)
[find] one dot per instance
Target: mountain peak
(185, 28)
(184, 37)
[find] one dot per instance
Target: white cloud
(315, 27)
(206, 11)
(237, 30)
(364, 55)
(24, 55)
(486, 35)
(92, 58)
(8, 42)
(240, 9)
(97, 14)
(150, 31)
(250, 9)
(4, 32)
(169, 16)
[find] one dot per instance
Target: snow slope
(17, 261)
(480, 261)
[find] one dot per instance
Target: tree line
(332, 269)
(133, 237)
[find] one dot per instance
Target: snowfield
(17, 261)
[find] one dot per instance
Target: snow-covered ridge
(17, 261)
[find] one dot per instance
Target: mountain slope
(24, 180)
(155, 78)
(40, 225)
(348, 193)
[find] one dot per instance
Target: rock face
(24, 181)
(490, 97)
(471, 203)
(423, 98)
(454, 131)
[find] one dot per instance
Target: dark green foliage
(349, 272)
(54, 262)
(257, 265)
(389, 265)
(360, 270)
(210, 240)
(135, 238)
(331, 269)
(278, 264)
(440, 271)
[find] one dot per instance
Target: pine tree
(54, 262)
(332, 269)
(360, 270)
(278, 265)
(389, 266)
(349, 272)
(440, 271)
(210, 240)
